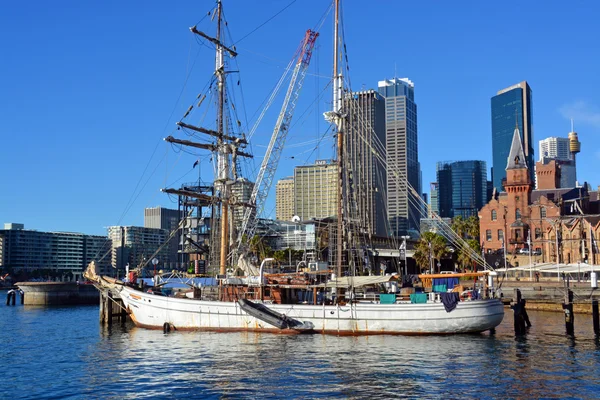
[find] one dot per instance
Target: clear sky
(88, 89)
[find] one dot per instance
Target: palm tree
(473, 227)
(464, 255)
(430, 245)
(459, 225)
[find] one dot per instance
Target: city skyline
(85, 131)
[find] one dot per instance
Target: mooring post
(568, 307)
(519, 318)
(8, 295)
(109, 309)
(22, 293)
(102, 317)
(595, 321)
(14, 297)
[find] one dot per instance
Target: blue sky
(89, 89)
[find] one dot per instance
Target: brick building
(530, 219)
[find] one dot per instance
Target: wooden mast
(222, 160)
(337, 108)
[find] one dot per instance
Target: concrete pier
(58, 293)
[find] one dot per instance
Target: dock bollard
(520, 315)
(9, 296)
(569, 316)
(595, 318)
(22, 293)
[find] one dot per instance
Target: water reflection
(64, 352)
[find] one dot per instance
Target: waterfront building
(462, 188)
(284, 199)
(540, 219)
(66, 254)
(136, 245)
(401, 153)
(315, 190)
(367, 173)
(511, 106)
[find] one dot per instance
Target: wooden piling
(569, 316)
(596, 320)
(22, 293)
(8, 296)
(520, 315)
(14, 297)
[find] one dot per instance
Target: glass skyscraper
(462, 188)
(511, 106)
(402, 154)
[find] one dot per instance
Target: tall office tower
(402, 153)
(284, 199)
(367, 173)
(433, 199)
(554, 147)
(511, 106)
(161, 218)
(241, 190)
(167, 219)
(462, 188)
(563, 151)
(315, 190)
(135, 245)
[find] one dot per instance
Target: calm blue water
(63, 352)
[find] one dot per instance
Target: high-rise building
(66, 254)
(241, 192)
(462, 188)
(315, 190)
(161, 218)
(554, 147)
(365, 134)
(402, 154)
(559, 150)
(167, 219)
(284, 199)
(136, 245)
(511, 107)
(433, 199)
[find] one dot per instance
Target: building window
(494, 215)
(488, 235)
(517, 214)
(542, 212)
(538, 233)
(500, 234)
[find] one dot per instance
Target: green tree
(459, 225)
(280, 255)
(473, 227)
(464, 255)
(430, 245)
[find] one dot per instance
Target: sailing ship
(311, 299)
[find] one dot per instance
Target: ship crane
(273, 154)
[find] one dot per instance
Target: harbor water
(64, 352)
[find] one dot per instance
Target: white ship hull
(153, 311)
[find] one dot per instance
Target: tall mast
(337, 109)
(222, 157)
